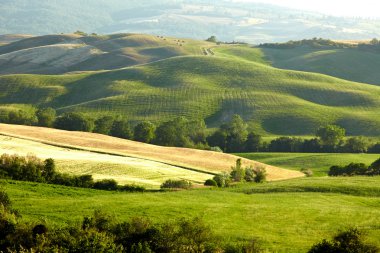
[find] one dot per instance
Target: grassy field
(286, 216)
(318, 163)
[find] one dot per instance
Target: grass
(286, 216)
(274, 101)
(346, 63)
(318, 163)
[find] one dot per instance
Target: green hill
(213, 88)
(346, 63)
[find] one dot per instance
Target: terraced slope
(54, 54)
(202, 161)
(213, 88)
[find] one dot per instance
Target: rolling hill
(123, 160)
(58, 54)
(347, 63)
(274, 101)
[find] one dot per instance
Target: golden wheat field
(189, 159)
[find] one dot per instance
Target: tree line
(32, 169)
(356, 169)
(233, 136)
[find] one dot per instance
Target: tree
(104, 125)
(144, 132)
(237, 134)
(238, 172)
(331, 135)
(357, 145)
(218, 139)
(121, 129)
(22, 117)
(212, 39)
(74, 122)
(253, 142)
(260, 174)
(174, 133)
(49, 170)
(46, 117)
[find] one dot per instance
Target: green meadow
(287, 216)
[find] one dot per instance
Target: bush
(307, 172)
(106, 184)
(260, 174)
(132, 188)
(223, 179)
(5, 200)
(351, 240)
(350, 170)
(176, 184)
(211, 182)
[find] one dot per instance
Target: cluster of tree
(315, 43)
(374, 45)
(351, 240)
(238, 174)
(101, 233)
(356, 169)
(32, 169)
(329, 139)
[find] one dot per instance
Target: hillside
(346, 63)
(199, 19)
(213, 88)
(204, 163)
(57, 54)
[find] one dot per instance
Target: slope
(125, 170)
(55, 54)
(213, 88)
(347, 63)
(205, 162)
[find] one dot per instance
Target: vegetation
(354, 169)
(176, 184)
(102, 233)
(350, 240)
(32, 169)
(272, 211)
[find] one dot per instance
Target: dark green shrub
(46, 117)
(350, 241)
(223, 179)
(176, 184)
(211, 182)
(5, 200)
(74, 122)
(106, 184)
(260, 175)
(103, 125)
(132, 188)
(121, 129)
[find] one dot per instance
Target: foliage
(260, 174)
(46, 117)
(121, 129)
(331, 135)
(238, 172)
(144, 132)
(176, 184)
(222, 179)
(211, 182)
(212, 39)
(351, 240)
(104, 125)
(74, 122)
(106, 184)
(352, 169)
(356, 145)
(21, 117)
